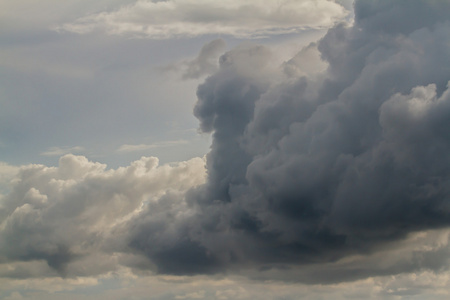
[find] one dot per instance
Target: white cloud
(58, 151)
(7, 173)
(63, 214)
(420, 285)
(194, 295)
(142, 147)
(189, 18)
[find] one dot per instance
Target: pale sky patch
(59, 151)
(142, 147)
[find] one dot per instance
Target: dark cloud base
(310, 170)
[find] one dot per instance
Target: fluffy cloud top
(63, 214)
(243, 19)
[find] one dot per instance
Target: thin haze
(326, 174)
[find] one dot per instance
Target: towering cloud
(328, 165)
(312, 169)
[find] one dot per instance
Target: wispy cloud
(142, 147)
(188, 18)
(206, 62)
(58, 151)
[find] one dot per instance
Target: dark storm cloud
(314, 175)
(310, 170)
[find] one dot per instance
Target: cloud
(422, 285)
(206, 61)
(242, 19)
(339, 177)
(195, 295)
(307, 62)
(142, 147)
(59, 151)
(315, 170)
(62, 215)
(7, 174)
(7, 171)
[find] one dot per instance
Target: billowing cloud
(63, 214)
(330, 167)
(242, 19)
(319, 169)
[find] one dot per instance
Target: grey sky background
(197, 149)
(100, 90)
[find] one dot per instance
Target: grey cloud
(305, 63)
(205, 62)
(316, 169)
(309, 178)
(242, 19)
(161, 233)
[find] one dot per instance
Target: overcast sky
(200, 149)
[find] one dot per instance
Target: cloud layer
(330, 167)
(242, 19)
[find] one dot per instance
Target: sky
(200, 149)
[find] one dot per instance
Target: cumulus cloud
(63, 214)
(314, 170)
(330, 167)
(242, 19)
